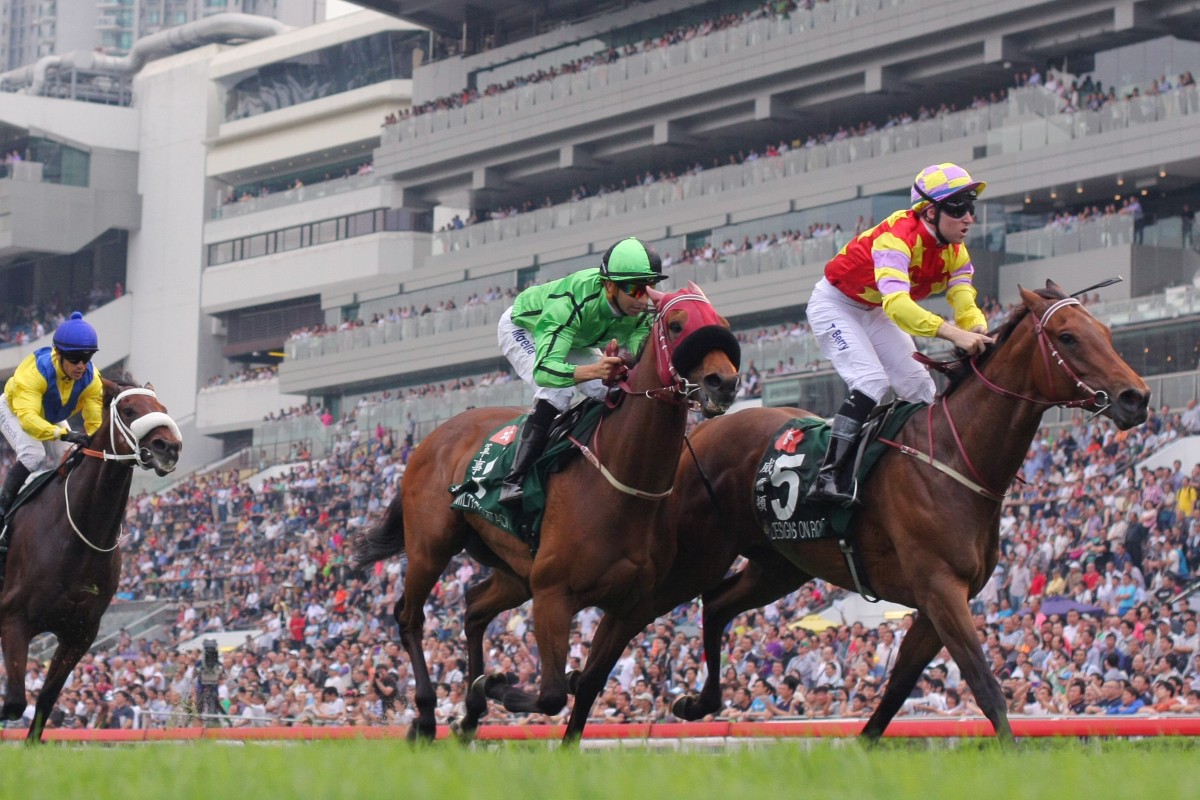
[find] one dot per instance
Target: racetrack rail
(1039, 727)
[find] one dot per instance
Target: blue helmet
(75, 335)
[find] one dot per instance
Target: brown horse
(65, 557)
(603, 539)
(927, 540)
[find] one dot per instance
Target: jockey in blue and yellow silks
(49, 387)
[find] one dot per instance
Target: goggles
(957, 209)
(634, 290)
(77, 357)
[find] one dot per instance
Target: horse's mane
(962, 369)
(123, 380)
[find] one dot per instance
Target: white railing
(236, 208)
(732, 177)
(798, 26)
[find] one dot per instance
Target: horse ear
(1054, 287)
(655, 295)
(1033, 301)
(692, 287)
(149, 386)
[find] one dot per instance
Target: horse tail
(384, 540)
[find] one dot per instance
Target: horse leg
(759, 583)
(66, 656)
(552, 615)
(15, 638)
(951, 615)
(919, 645)
(424, 569)
(609, 640)
(485, 601)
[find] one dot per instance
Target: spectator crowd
(1077, 618)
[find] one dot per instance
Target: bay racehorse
(64, 560)
(928, 540)
(603, 539)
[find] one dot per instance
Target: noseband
(675, 388)
(1097, 401)
(133, 432)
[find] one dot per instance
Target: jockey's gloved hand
(76, 437)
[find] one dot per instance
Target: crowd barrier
(731, 732)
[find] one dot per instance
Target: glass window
(256, 246)
(361, 224)
(289, 239)
(325, 231)
(221, 253)
(324, 72)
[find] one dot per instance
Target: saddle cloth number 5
(785, 475)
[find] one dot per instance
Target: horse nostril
(721, 384)
(1135, 399)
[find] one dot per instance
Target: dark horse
(927, 540)
(65, 557)
(603, 539)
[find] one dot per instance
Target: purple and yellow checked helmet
(938, 182)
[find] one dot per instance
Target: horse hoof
(573, 679)
(418, 735)
(679, 708)
(463, 734)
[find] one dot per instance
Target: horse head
(694, 349)
(1080, 364)
(137, 428)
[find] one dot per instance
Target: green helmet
(631, 260)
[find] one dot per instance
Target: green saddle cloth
(790, 465)
(479, 493)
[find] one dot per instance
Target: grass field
(1158, 769)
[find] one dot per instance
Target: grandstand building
(243, 190)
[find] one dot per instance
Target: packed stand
(272, 557)
(774, 11)
(23, 324)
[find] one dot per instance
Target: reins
(132, 435)
(676, 390)
(1096, 400)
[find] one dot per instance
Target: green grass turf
(1054, 770)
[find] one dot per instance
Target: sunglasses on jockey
(956, 206)
(635, 290)
(77, 357)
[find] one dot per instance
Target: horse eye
(676, 328)
(127, 412)
(1066, 338)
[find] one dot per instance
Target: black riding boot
(534, 433)
(835, 480)
(12, 484)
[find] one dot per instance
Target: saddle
(789, 466)
(33, 485)
(479, 491)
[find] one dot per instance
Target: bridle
(676, 390)
(133, 432)
(1097, 401)
(132, 435)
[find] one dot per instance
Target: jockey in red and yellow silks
(864, 310)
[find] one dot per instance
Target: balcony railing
(798, 26)
(250, 205)
(728, 178)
